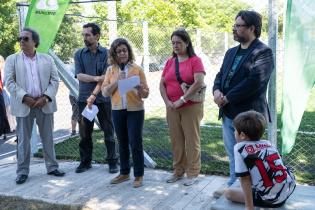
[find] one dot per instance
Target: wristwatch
(183, 99)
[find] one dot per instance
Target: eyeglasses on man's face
(237, 26)
(24, 38)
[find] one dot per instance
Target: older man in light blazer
(32, 81)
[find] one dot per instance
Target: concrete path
(92, 189)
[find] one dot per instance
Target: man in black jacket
(242, 81)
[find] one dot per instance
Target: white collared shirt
(123, 97)
(32, 76)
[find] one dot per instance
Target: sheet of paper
(90, 114)
(128, 84)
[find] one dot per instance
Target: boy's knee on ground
(228, 193)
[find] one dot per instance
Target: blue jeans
(128, 127)
(229, 142)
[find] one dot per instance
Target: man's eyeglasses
(237, 26)
(24, 38)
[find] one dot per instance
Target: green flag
(45, 17)
(299, 67)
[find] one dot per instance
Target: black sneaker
(82, 168)
(113, 168)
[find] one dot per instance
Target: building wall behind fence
(210, 46)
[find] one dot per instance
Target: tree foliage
(218, 14)
(68, 38)
(8, 27)
(162, 16)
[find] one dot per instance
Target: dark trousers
(4, 123)
(86, 128)
(128, 128)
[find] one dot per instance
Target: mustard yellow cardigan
(134, 101)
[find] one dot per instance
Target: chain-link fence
(210, 46)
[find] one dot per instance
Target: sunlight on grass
(156, 142)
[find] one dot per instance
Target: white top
(32, 72)
(271, 179)
(123, 97)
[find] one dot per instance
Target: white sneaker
(190, 181)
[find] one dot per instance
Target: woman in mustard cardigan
(127, 109)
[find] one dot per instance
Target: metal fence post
(272, 42)
(145, 34)
(226, 41)
(112, 23)
(198, 40)
(22, 9)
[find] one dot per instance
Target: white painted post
(226, 41)
(272, 88)
(198, 40)
(22, 9)
(146, 56)
(112, 23)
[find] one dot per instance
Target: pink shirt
(187, 69)
(33, 81)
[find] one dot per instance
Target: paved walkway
(91, 190)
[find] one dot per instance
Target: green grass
(302, 157)
(214, 160)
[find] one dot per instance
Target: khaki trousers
(184, 126)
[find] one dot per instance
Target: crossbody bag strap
(179, 79)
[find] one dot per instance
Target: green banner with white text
(45, 16)
(299, 67)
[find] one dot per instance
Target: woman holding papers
(183, 115)
(125, 82)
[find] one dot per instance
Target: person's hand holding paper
(125, 85)
(90, 114)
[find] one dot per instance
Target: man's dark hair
(35, 35)
(182, 33)
(251, 18)
(251, 123)
(95, 28)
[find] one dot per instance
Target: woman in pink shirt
(183, 116)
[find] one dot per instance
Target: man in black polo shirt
(90, 67)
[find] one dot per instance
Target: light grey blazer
(16, 82)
